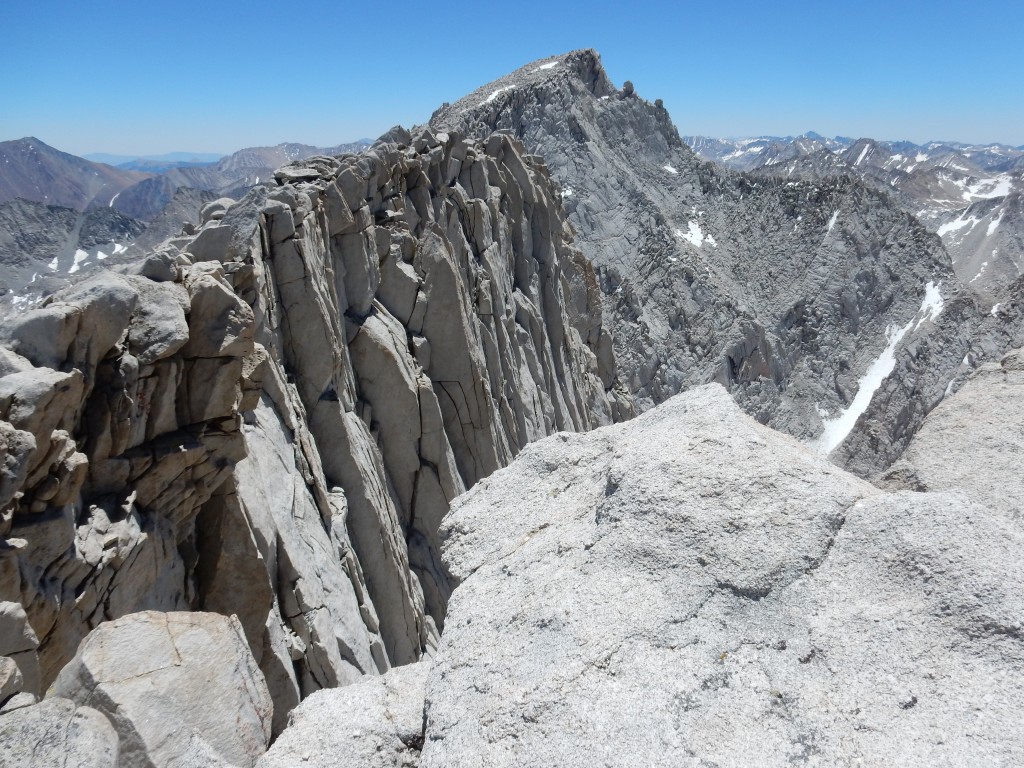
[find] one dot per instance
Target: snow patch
(695, 235)
(863, 154)
(984, 189)
(497, 93)
(549, 65)
(994, 225)
(111, 205)
(995, 309)
(118, 248)
(670, 169)
(957, 224)
(836, 430)
(80, 256)
(568, 191)
(53, 264)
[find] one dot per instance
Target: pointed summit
(707, 274)
(580, 70)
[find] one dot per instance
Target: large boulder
(376, 723)
(691, 588)
(56, 732)
(173, 684)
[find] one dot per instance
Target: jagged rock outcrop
(179, 688)
(782, 291)
(690, 588)
(375, 723)
(272, 417)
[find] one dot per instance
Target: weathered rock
(56, 732)
(692, 588)
(376, 723)
(288, 401)
(172, 685)
(973, 441)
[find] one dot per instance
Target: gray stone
(375, 723)
(973, 441)
(693, 588)
(56, 732)
(10, 678)
(168, 682)
(215, 210)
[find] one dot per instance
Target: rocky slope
(788, 293)
(271, 418)
(35, 171)
(970, 195)
(43, 246)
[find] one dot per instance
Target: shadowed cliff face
(785, 292)
(272, 418)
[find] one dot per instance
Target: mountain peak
(580, 68)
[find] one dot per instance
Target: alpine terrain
(522, 437)
(970, 195)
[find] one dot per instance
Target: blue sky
(149, 77)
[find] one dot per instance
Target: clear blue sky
(152, 76)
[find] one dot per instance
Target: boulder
(56, 732)
(376, 723)
(173, 684)
(691, 588)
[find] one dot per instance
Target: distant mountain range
(35, 171)
(190, 158)
(969, 194)
(140, 187)
(61, 214)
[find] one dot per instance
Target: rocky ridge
(968, 194)
(271, 418)
(787, 293)
(231, 176)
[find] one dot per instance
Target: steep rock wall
(271, 419)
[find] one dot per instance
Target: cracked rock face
(271, 419)
(783, 291)
(690, 588)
